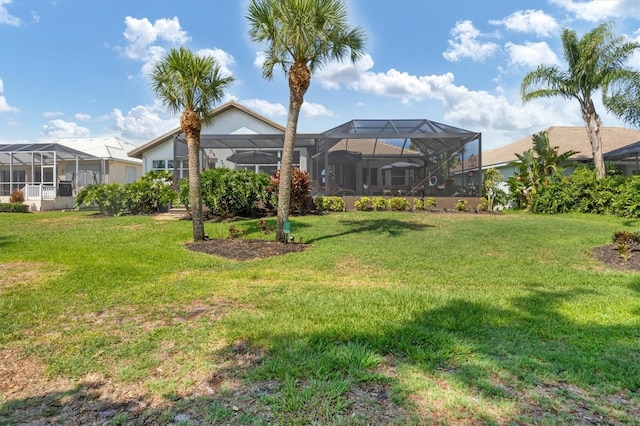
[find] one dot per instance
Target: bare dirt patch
(239, 249)
(20, 273)
(610, 256)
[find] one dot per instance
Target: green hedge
(583, 192)
(14, 208)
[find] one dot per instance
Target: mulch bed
(610, 256)
(240, 249)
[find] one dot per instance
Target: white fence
(40, 192)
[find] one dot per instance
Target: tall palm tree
(595, 61)
(300, 36)
(191, 84)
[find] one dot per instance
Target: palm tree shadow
(487, 348)
(390, 227)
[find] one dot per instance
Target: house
(346, 159)
(569, 139)
(50, 174)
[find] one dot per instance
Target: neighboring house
(353, 153)
(167, 153)
(50, 174)
(568, 139)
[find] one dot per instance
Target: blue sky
(78, 68)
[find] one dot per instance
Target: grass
(387, 318)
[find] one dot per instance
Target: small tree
(491, 186)
(537, 166)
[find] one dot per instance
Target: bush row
(394, 204)
(152, 193)
(229, 193)
(14, 208)
(582, 192)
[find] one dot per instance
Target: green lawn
(387, 318)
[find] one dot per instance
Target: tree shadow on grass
(4, 241)
(389, 227)
(528, 355)
(524, 353)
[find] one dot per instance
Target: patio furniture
(445, 188)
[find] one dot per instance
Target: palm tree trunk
(190, 124)
(299, 80)
(593, 125)
(284, 190)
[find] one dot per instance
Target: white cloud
(224, 59)
(310, 109)
(265, 108)
(5, 16)
(531, 54)
(598, 10)
(500, 118)
(64, 129)
(335, 73)
(142, 37)
(4, 105)
(35, 17)
(82, 117)
(465, 44)
(142, 34)
(143, 122)
(51, 114)
(530, 21)
(260, 58)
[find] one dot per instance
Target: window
(162, 165)
(398, 177)
(373, 176)
(131, 174)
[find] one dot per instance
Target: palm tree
(624, 100)
(595, 61)
(191, 84)
(300, 37)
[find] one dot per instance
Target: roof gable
(227, 108)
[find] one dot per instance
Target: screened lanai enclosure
(44, 172)
(412, 157)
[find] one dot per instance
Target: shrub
(462, 205)
(14, 208)
(418, 204)
(379, 203)
(300, 201)
(397, 204)
(230, 193)
(264, 227)
(626, 237)
(235, 232)
(110, 198)
(331, 204)
(17, 196)
(152, 193)
(623, 241)
(364, 204)
(483, 205)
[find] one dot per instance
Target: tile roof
(566, 139)
(371, 147)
